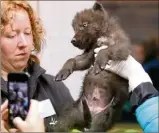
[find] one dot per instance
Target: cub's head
(87, 26)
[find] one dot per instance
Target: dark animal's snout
(75, 42)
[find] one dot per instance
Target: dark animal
(103, 93)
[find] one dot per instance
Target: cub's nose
(73, 41)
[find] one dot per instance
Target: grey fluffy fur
(93, 28)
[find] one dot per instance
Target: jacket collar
(35, 72)
(4, 86)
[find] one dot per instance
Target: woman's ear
(33, 47)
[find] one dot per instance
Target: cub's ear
(98, 7)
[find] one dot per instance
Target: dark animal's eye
(85, 24)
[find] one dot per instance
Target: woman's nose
(22, 41)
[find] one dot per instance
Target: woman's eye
(11, 36)
(27, 33)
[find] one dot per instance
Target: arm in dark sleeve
(59, 93)
(65, 93)
(66, 100)
(144, 101)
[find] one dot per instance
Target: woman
(22, 33)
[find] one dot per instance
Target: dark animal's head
(87, 26)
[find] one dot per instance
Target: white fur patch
(108, 41)
(111, 41)
(102, 40)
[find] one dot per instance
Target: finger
(95, 55)
(4, 106)
(13, 130)
(109, 62)
(113, 66)
(33, 110)
(5, 115)
(19, 123)
(6, 125)
(109, 65)
(100, 48)
(3, 129)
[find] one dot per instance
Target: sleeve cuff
(141, 93)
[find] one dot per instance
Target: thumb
(4, 105)
(13, 130)
(19, 123)
(33, 108)
(109, 65)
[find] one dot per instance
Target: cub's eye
(85, 24)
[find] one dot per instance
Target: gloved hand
(129, 69)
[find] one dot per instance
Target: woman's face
(16, 42)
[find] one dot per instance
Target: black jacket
(42, 86)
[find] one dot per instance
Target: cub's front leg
(101, 60)
(80, 62)
(66, 70)
(116, 51)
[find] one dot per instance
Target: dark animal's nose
(73, 41)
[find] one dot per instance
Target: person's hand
(4, 118)
(129, 69)
(33, 122)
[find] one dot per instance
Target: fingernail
(6, 100)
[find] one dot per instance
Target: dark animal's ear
(98, 7)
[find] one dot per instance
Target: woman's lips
(22, 54)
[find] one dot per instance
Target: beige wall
(57, 18)
(35, 5)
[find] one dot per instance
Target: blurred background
(138, 18)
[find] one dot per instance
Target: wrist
(137, 78)
(141, 93)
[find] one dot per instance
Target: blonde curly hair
(36, 25)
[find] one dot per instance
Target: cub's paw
(96, 67)
(63, 74)
(100, 62)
